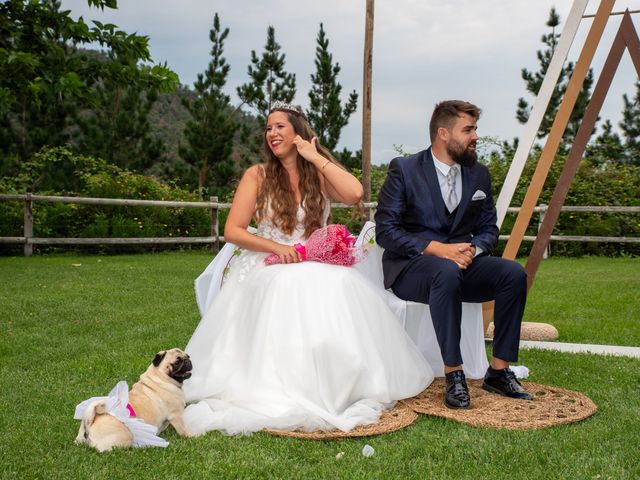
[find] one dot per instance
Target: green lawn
(589, 300)
(70, 332)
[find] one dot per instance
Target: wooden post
(28, 225)
(541, 214)
(215, 225)
(366, 102)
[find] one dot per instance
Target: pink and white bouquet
(333, 244)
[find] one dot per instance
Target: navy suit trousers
(444, 286)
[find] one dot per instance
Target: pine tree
(630, 126)
(534, 80)
(211, 130)
(269, 80)
(606, 148)
(326, 113)
(117, 128)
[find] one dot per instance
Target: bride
(298, 345)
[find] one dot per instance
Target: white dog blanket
(117, 404)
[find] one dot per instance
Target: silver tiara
(279, 105)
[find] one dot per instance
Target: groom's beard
(464, 156)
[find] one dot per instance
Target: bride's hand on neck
(338, 183)
(308, 150)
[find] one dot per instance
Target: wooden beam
(28, 224)
(557, 130)
(543, 97)
(632, 41)
(143, 203)
(121, 241)
(553, 141)
(625, 31)
(613, 13)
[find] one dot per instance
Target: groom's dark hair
(445, 114)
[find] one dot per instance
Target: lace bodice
(268, 229)
(245, 261)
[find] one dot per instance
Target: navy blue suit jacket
(411, 212)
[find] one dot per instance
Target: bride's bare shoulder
(255, 172)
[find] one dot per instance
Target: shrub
(58, 171)
(608, 184)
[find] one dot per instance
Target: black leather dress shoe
(456, 393)
(504, 382)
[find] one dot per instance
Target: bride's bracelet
(325, 164)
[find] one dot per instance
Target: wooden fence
(214, 206)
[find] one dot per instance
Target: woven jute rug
(551, 406)
(398, 417)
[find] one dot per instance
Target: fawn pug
(157, 399)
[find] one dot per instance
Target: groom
(437, 223)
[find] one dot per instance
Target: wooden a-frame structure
(626, 38)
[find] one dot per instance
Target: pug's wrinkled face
(174, 363)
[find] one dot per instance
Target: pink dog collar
(132, 412)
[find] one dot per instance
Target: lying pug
(156, 399)
(102, 430)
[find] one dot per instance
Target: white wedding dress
(302, 346)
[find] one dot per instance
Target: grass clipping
(551, 406)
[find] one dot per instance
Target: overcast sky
(424, 51)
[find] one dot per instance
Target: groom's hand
(460, 253)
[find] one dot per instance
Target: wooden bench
(416, 317)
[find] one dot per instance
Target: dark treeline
(116, 105)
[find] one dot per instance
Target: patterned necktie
(451, 199)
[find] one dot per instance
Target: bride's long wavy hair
(276, 197)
